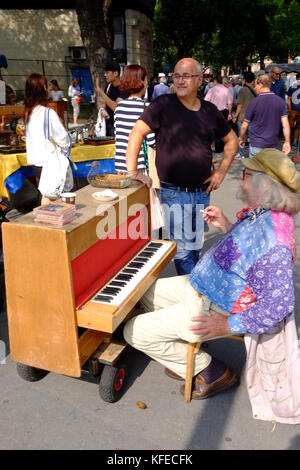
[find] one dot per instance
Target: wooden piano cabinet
(44, 266)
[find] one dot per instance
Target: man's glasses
(184, 76)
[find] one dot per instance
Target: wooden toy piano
(61, 280)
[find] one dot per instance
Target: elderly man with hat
(241, 285)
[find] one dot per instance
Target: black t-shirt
(113, 92)
(184, 138)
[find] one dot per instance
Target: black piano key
(123, 277)
(104, 298)
(111, 290)
(117, 283)
(155, 244)
(133, 264)
(140, 259)
(152, 250)
(130, 271)
(147, 254)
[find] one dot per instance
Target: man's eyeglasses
(245, 173)
(184, 76)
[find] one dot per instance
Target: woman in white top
(74, 95)
(134, 82)
(56, 94)
(36, 97)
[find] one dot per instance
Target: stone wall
(29, 36)
(38, 41)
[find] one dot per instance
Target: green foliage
(231, 34)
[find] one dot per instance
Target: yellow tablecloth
(79, 153)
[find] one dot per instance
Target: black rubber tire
(110, 377)
(30, 374)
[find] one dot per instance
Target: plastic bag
(157, 213)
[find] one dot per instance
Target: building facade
(49, 41)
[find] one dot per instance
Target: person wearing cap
(265, 113)
(247, 287)
(111, 95)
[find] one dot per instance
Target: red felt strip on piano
(96, 266)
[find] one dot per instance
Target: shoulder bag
(56, 176)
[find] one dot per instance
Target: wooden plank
(88, 342)
(108, 317)
(193, 348)
(40, 306)
(109, 353)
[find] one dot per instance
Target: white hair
(263, 191)
(163, 80)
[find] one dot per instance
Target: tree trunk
(262, 56)
(95, 24)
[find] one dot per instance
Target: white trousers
(163, 333)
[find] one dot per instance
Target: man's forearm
(286, 130)
(138, 133)
(244, 128)
(230, 150)
(133, 149)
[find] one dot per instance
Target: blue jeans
(184, 224)
(254, 150)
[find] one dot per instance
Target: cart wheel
(31, 374)
(111, 384)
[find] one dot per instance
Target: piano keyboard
(125, 281)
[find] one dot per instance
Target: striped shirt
(126, 114)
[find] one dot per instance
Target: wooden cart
(52, 273)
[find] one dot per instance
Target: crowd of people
(244, 283)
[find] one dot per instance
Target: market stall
(14, 169)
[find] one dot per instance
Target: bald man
(185, 128)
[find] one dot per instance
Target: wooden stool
(193, 349)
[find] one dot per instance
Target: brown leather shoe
(203, 390)
(172, 374)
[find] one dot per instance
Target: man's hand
(286, 148)
(142, 178)
(214, 215)
(210, 326)
(241, 143)
(98, 89)
(214, 180)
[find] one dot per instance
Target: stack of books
(56, 213)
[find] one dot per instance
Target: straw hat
(276, 164)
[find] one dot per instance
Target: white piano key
(118, 298)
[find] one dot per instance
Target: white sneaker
(238, 156)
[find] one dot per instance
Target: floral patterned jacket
(249, 272)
